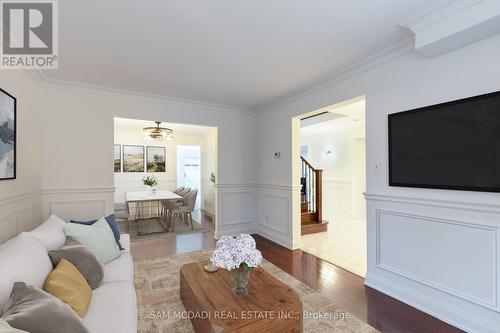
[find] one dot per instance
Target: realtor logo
(29, 34)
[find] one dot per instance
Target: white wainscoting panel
(432, 266)
(8, 226)
(19, 213)
(275, 213)
(236, 212)
(440, 256)
(83, 209)
(78, 203)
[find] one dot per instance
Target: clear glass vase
(240, 277)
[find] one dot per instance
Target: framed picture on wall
(156, 161)
(7, 135)
(118, 158)
(133, 158)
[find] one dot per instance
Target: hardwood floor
(346, 289)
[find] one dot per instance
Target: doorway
(189, 168)
(331, 142)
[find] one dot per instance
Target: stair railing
(312, 189)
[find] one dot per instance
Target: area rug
(157, 286)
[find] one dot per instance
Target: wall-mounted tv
(454, 145)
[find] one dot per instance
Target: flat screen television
(454, 145)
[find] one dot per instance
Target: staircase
(311, 194)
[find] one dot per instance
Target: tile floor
(344, 244)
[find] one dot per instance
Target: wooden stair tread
(315, 223)
(314, 227)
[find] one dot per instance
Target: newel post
(319, 195)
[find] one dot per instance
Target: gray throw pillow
(33, 310)
(82, 258)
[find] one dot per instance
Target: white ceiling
(352, 114)
(231, 52)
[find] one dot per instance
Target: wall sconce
(328, 154)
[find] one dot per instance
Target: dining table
(138, 198)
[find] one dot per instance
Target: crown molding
(440, 11)
(42, 80)
(382, 57)
(36, 75)
(78, 86)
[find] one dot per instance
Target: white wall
(209, 166)
(20, 198)
(78, 150)
(343, 169)
(436, 250)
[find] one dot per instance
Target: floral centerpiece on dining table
(150, 182)
(239, 255)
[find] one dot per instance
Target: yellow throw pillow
(68, 284)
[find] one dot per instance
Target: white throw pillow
(98, 237)
(24, 259)
(50, 233)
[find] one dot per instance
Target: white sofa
(113, 307)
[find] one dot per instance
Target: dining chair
(185, 210)
(179, 189)
(184, 191)
(166, 205)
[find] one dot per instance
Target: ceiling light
(157, 133)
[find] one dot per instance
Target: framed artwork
(156, 159)
(118, 158)
(133, 158)
(7, 136)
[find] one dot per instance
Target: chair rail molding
(474, 206)
(19, 196)
(72, 190)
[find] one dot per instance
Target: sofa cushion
(125, 241)
(36, 311)
(113, 308)
(120, 269)
(50, 233)
(68, 284)
(112, 224)
(98, 237)
(83, 259)
(6, 328)
(24, 259)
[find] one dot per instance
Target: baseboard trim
(445, 312)
(271, 235)
(236, 229)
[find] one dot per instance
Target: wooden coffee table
(270, 305)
